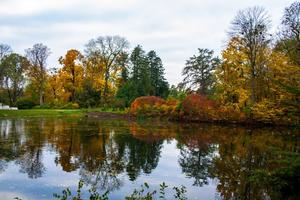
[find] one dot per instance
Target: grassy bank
(52, 112)
(40, 113)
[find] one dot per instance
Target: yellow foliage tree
(94, 71)
(72, 73)
(232, 76)
(274, 74)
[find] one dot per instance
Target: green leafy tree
(127, 92)
(89, 96)
(14, 78)
(198, 71)
(177, 92)
(37, 71)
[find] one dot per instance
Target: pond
(42, 156)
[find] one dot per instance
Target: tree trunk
(41, 98)
(106, 85)
(253, 85)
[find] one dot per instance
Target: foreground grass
(52, 112)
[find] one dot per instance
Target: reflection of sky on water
(13, 183)
(35, 155)
(170, 172)
(52, 181)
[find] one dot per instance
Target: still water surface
(42, 156)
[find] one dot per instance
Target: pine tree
(140, 71)
(198, 71)
(159, 86)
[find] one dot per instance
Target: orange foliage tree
(72, 72)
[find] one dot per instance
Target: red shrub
(198, 107)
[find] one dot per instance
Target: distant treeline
(105, 75)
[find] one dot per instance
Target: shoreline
(109, 115)
(127, 116)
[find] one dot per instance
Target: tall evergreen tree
(145, 77)
(140, 71)
(198, 70)
(159, 86)
(138, 82)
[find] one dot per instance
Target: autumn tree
(72, 72)
(289, 36)
(289, 45)
(275, 76)
(283, 86)
(123, 74)
(4, 51)
(37, 71)
(232, 75)
(104, 53)
(55, 92)
(251, 26)
(198, 70)
(94, 68)
(14, 78)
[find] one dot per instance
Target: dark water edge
(41, 156)
(248, 123)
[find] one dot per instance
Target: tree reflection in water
(31, 160)
(244, 163)
(196, 154)
(239, 159)
(10, 141)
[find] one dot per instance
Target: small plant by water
(144, 192)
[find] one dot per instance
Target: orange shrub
(228, 113)
(172, 102)
(197, 107)
(146, 104)
(153, 106)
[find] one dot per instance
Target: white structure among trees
(5, 107)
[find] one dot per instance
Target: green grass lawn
(50, 112)
(41, 113)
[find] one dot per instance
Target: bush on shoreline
(199, 108)
(151, 106)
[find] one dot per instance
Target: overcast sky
(173, 28)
